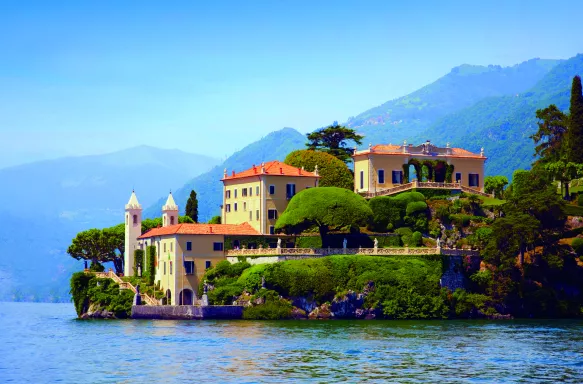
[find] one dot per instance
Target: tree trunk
(118, 264)
(521, 257)
(324, 235)
(567, 194)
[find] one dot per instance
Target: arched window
(127, 219)
(135, 219)
(171, 220)
(164, 220)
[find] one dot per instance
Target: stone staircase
(149, 300)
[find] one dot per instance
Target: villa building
(254, 199)
(260, 194)
(183, 251)
(381, 167)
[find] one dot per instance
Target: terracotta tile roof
(385, 147)
(201, 229)
(273, 168)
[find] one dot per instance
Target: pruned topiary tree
(325, 207)
(333, 172)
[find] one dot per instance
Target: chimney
(370, 147)
(482, 151)
(254, 169)
(280, 170)
(404, 146)
(210, 229)
(225, 173)
(232, 173)
(262, 167)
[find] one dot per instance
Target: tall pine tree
(575, 135)
(192, 207)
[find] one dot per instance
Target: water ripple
(41, 343)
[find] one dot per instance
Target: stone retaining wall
(187, 312)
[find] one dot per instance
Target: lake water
(44, 343)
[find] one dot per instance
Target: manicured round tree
(333, 172)
(324, 207)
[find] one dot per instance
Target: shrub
(215, 220)
(271, 310)
(151, 255)
(416, 208)
(577, 245)
(96, 267)
(580, 200)
(416, 239)
(405, 233)
(465, 304)
(387, 212)
(309, 242)
(410, 197)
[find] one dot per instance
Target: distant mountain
(208, 186)
(89, 188)
(408, 116)
(502, 125)
(44, 204)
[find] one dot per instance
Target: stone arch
(185, 297)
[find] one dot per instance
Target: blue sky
(210, 77)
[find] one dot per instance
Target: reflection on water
(42, 343)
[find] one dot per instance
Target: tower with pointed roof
(169, 212)
(133, 230)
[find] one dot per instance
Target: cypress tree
(192, 207)
(576, 122)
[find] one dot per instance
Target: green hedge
(138, 260)
(151, 269)
(85, 290)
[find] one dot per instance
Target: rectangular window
(250, 191)
(217, 246)
(272, 214)
(474, 180)
(290, 190)
(189, 245)
(257, 214)
(271, 230)
(171, 246)
(164, 247)
(272, 189)
(256, 191)
(164, 267)
(235, 192)
(361, 179)
(227, 194)
(397, 177)
(244, 206)
(250, 215)
(189, 267)
(244, 192)
(207, 264)
(381, 176)
(170, 267)
(228, 208)
(235, 207)
(458, 177)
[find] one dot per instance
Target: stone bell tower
(169, 212)
(133, 230)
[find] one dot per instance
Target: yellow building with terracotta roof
(183, 251)
(386, 166)
(260, 194)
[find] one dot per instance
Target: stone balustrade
(424, 185)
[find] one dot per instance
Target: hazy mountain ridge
(274, 146)
(44, 204)
(502, 125)
(408, 116)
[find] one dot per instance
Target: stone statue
(262, 281)
(137, 289)
(438, 243)
(344, 243)
(137, 296)
(279, 243)
(376, 243)
(139, 270)
(204, 287)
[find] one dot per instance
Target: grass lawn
(490, 201)
(574, 210)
